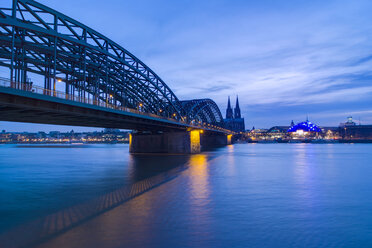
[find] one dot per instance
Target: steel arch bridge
(37, 41)
(203, 111)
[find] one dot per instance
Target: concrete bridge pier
(187, 142)
(210, 140)
(183, 142)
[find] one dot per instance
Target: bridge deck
(104, 84)
(26, 103)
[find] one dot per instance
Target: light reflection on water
(199, 176)
(269, 195)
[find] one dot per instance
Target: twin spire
(229, 110)
(237, 113)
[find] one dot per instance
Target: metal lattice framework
(203, 110)
(35, 39)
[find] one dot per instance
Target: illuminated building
(304, 130)
(107, 136)
(277, 133)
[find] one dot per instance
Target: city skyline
(289, 61)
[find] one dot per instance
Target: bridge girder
(37, 39)
(203, 110)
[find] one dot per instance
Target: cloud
(362, 60)
(280, 56)
(285, 55)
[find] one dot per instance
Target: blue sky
(285, 59)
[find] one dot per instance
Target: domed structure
(305, 126)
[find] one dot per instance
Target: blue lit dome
(305, 126)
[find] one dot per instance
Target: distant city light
(306, 126)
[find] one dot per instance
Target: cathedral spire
(229, 111)
(237, 113)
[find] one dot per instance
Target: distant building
(54, 134)
(279, 129)
(277, 133)
(303, 127)
(111, 130)
(64, 138)
(353, 132)
(234, 120)
(348, 123)
(356, 132)
(304, 130)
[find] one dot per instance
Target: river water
(244, 195)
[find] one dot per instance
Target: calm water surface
(246, 195)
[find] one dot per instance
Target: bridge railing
(62, 95)
(59, 94)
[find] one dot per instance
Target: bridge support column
(187, 142)
(210, 140)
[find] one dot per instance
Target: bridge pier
(186, 142)
(210, 140)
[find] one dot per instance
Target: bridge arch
(37, 39)
(204, 111)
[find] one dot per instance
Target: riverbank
(320, 141)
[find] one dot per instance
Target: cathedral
(234, 120)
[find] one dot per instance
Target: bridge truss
(37, 40)
(203, 111)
